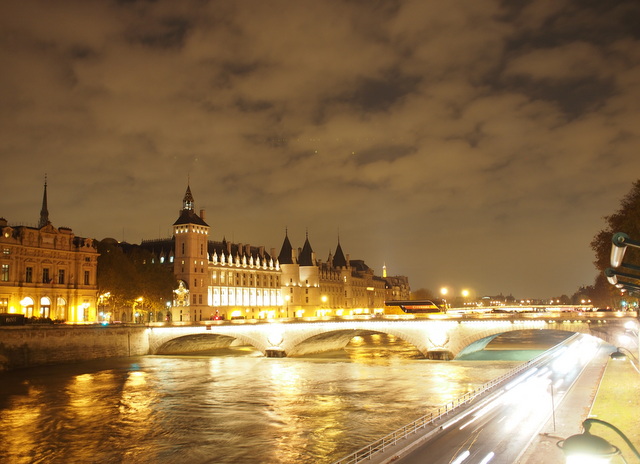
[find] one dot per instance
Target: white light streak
(462, 457)
(487, 458)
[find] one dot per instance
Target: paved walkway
(570, 414)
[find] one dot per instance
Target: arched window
(45, 307)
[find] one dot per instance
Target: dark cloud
(454, 142)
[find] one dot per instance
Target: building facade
(240, 281)
(47, 272)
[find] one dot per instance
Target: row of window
(230, 296)
(243, 279)
(47, 277)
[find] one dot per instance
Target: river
(235, 406)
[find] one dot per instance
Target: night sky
(475, 144)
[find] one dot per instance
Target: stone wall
(30, 346)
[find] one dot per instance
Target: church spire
(44, 212)
(187, 201)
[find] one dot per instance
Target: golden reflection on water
(80, 395)
(228, 409)
(24, 419)
(315, 434)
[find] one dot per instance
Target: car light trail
(487, 458)
(461, 458)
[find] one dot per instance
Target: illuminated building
(47, 272)
(217, 279)
(397, 287)
(233, 280)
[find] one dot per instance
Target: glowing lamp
(586, 448)
(620, 242)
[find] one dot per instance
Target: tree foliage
(128, 272)
(626, 219)
(422, 294)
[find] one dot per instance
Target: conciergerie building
(220, 279)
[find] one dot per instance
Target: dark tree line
(128, 273)
(626, 219)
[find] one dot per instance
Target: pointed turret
(286, 252)
(188, 215)
(44, 212)
(338, 259)
(306, 255)
(187, 201)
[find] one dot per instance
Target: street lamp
(444, 291)
(620, 242)
(586, 448)
(465, 295)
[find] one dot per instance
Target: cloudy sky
(475, 144)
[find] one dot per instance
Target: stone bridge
(437, 338)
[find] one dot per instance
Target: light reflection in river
(233, 407)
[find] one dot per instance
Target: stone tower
(191, 261)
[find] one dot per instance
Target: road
(498, 429)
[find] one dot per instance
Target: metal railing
(380, 445)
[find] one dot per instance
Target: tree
(134, 278)
(627, 220)
(155, 281)
(422, 294)
(116, 275)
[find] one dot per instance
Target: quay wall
(30, 346)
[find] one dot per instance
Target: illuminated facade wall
(242, 287)
(47, 272)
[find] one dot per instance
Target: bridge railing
(380, 445)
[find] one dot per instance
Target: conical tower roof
(338, 258)
(188, 215)
(286, 252)
(306, 255)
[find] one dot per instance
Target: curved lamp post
(620, 242)
(591, 449)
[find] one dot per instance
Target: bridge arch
(475, 336)
(187, 340)
(336, 339)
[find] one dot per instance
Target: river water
(232, 406)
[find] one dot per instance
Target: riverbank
(39, 345)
